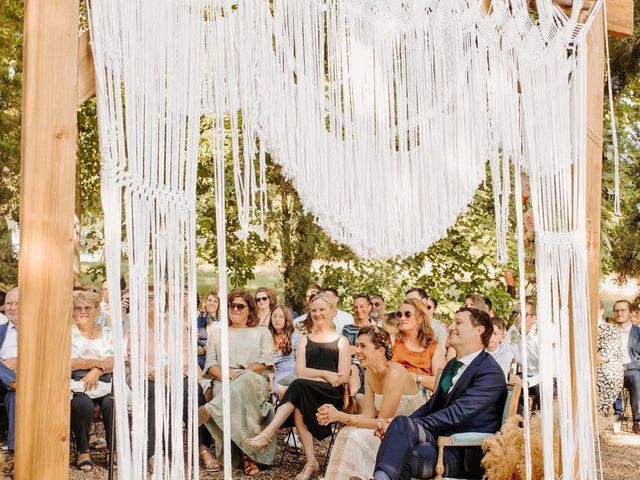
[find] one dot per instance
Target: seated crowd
(395, 380)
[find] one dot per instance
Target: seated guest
(342, 318)
(322, 368)
(476, 301)
(91, 366)
(610, 372)
(209, 314)
(207, 461)
(250, 363)
(377, 308)
(303, 323)
(430, 303)
(416, 347)
(390, 390)
(9, 362)
(362, 311)
(390, 325)
(630, 335)
(266, 299)
(469, 398)
(285, 343)
(489, 304)
(533, 347)
(498, 347)
(3, 318)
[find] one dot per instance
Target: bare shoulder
(397, 371)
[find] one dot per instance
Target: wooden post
(595, 105)
(46, 238)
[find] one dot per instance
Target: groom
(469, 398)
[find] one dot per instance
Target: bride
(389, 390)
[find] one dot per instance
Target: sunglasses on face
(86, 308)
(237, 306)
(261, 299)
(406, 314)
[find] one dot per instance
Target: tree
(11, 22)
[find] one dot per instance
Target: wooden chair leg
(440, 464)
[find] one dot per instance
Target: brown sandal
(208, 461)
(250, 467)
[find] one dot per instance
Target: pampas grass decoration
(504, 457)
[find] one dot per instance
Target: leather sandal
(260, 442)
(84, 462)
(250, 467)
(208, 461)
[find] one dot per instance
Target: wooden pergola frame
(58, 76)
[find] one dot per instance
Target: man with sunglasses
(439, 328)
(469, 398)
(377, 308)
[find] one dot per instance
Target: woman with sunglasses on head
(416, 347)
(250, 363)
(266, 299)
(322, 368)
(390, 390)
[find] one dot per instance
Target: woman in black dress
(322, 367)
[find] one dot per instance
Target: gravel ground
(620, 462)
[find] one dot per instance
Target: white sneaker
(293, 442)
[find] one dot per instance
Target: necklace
(90, 337)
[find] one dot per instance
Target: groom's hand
(381, 427)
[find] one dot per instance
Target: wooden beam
(620, 18)
(86, 70)
(45, 276)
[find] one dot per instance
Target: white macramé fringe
(383, 114)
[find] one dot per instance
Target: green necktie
(447, 380)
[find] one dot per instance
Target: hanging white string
(384, 125)
(149, 158)
(612, 115)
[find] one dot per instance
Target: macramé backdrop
(346, 95)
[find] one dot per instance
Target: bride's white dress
(354, 451)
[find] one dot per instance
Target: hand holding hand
(91, 379)
(327, 414)
(381, 427)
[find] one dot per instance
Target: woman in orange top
(416, 347)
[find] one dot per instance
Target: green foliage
(623, 234)
(625, 55)
(11, 20)
(461, 263)
(242, 256)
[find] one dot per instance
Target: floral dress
(610, 374)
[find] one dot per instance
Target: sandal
(308, 471)
(208, 461)
(96, 443)
(84, 462)
(250, 467)
(260, 442)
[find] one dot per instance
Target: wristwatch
(419, 379)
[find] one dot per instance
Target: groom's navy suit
(474, 404)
